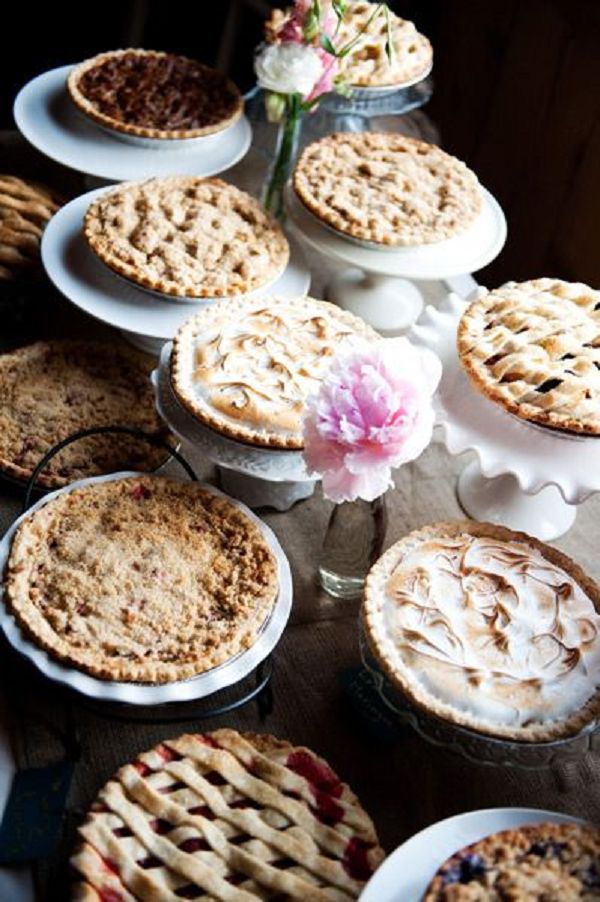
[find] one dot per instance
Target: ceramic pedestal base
(389, 304)
(500, 500)
(257, 492)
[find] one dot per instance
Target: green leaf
(389, 42)
(327, 45)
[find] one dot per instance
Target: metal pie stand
(244, 678)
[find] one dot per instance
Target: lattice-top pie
(387, 188)
(141, 579)
(534, 348)
(488, 628)
(537, 862)
(154, 95)
(245, 368)
(25, 208)
(186, 236)
(225, 816)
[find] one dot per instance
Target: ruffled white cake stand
(376, 288)
(526, 476)
(145, 319)
(259, 477)
(47, 118)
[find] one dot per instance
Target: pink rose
(373, 412)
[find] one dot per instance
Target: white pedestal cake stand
(47, 118)
(526, 477)
(376, 287)
(145, 319)
(259, 477)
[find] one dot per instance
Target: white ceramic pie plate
(405, 875)
(95, 289)
(197, 687)
(47, 117)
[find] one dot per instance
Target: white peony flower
(288, 68)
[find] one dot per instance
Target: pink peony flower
(373, 412)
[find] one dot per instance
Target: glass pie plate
(477, 747)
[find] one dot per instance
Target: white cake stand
(47, 118)
(526, 477)
(146, 320)
(259, 477)
(376, 287)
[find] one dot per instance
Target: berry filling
(316, 772)
(469, 868)
(356, 859)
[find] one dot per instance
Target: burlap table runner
(404, 782)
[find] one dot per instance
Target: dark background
(517, 95)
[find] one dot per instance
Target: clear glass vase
(286, 150)
(353, 542)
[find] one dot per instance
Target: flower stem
(286, 147)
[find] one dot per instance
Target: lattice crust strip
(222, 816)
(534, 348)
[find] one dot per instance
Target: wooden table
(403, 782)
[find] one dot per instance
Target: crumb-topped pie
(141, 579)
(543, 861)
(387, 188)
(151, 94)
(51, 389)
(367, 64)
(245, 368)
(186, 236)
(225, 816)
(534, 348)
(487, 628)
(25, 208)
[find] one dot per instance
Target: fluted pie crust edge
(426, 702)
(89, 109)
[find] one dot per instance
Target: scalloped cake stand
(526, 477)
(257, 476)
(376, 287)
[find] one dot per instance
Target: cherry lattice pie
(225, 816)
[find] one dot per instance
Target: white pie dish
(200, 686)
(406, 873)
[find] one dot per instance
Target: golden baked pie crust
(186, 236)
(524, 336)
(387, 189)
(141, 579)
(426, 701)
(91, 110)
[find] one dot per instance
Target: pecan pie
(367, 65)
(387, 188)
(51, 389)
(245, 368)
(154, 95)
(25, 208)
(488, 628)
(534, 348)
(535, 862)
(225, 816)
(141, 579)
(186, 237)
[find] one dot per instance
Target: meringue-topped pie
(246, 367)
(488, 628)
